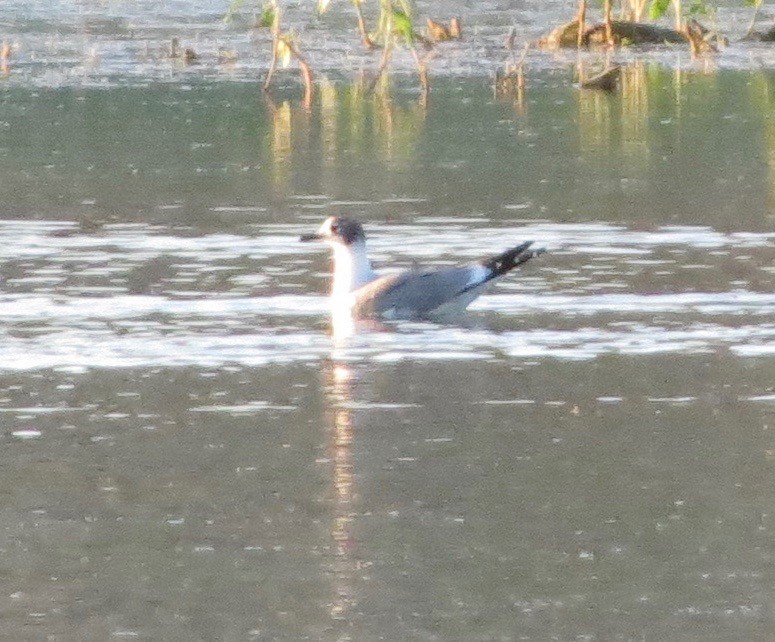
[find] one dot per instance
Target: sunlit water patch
(137, 295)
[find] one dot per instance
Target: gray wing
(411, 294)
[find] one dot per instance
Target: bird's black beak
(306, 238)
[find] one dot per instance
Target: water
(127, 42)
(187, 454)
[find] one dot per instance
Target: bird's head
(338, 230)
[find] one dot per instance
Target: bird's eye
(334, 227)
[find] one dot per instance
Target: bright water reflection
(586, 455)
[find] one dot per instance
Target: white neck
(352, 268)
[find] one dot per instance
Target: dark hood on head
(347, 229)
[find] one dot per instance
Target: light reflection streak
(763, 93)
(635, 110)
(329, 123)
(339, 379)
(350, 120)
(281, 143)
(595, 116)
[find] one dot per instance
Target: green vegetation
(395, 26)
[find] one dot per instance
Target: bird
(409, 295)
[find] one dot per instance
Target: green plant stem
(582, 23)
(275, 41)
(678, 15)
(639, 8)
(609, 37)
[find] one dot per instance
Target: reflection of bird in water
(345, 564)
(417, 294)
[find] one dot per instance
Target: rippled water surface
(187, 454)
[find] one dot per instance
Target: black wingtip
(512, 258)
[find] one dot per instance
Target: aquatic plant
(387, 9)
(284, 48)
(395, 26)
(658, 8)
(362, 30)
(512, 79)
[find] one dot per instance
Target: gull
(413, 294)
